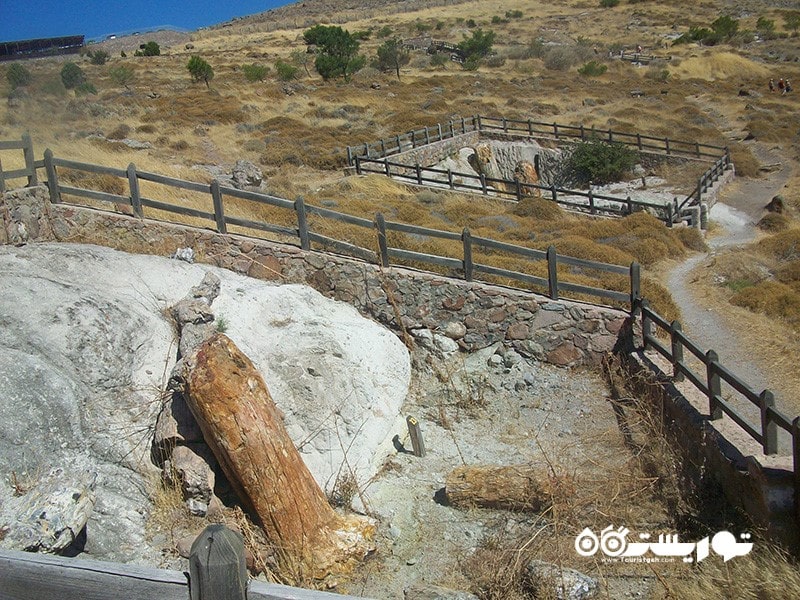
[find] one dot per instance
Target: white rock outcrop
(85, 354)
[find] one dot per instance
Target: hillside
(295, 130)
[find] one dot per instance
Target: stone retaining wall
(469, 315)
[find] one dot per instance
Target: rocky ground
(98, 342)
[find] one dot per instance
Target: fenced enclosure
(373, 157)
(229, 210)
(28, 171)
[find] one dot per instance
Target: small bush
(609, 3)
(513, 14)
(18, 76)
(593, 69)
(286, 71)
(439, 60)
(254, 72)
(600, 162)
(149, 49)
(774, 222)
(98, 57)
(561, 58)
(85, 89)
(539, 209)
(495, 62)
(121, 75)
(119, 133)
(200, 70)
(384, 32)
(72, 75)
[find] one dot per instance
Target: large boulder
(86, 351)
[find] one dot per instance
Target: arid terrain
(295, 129)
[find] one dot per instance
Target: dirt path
(740, 208)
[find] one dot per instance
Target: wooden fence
(595, 203)
(386, 255)
(377, 153)
(216, 572)
(709, 381)
(29, 171)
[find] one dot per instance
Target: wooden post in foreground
(245, 431)
(217, 567)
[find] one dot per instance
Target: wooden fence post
(439, 129)
(505, 125)
(677, 351)
(450, 177)
(386, 167)
(769, 429)
(2, 178)
(380, 225)
(714, 386)
(483, 184)
(30, 167)
(583, 133)
(646, 325)
(478, 122)
(629, 205)
(133, 185)
(518, 190)
(358, 165)
(553, 191)
(666, 145)
(217, 567)
(52, 177)
(552, 272)
(639, 141)
(302, 223)
(427, 136)
(466, 240)
(383, 147)
(349, 156)
(419, 173)
(592, 209)
(796, 465)
(530, 129)
(555, 130)
(636, 289)
(219, 213)
(417, 445)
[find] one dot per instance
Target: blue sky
(29, 19)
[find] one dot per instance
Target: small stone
(455, 330)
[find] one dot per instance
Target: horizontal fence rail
(709, 382)
(216, 572)
(386, 255)
(29, 171)
(377, 153)
(514, 190)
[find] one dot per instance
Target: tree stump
(519, 487)
(245, 431)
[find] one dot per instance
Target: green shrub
(121, 75)
(478, 45)
(98, 57)
(609, 3)
(200, 70)
(496, 20)
(513, 14)
(471, 23)
(593, 69)
(149, 49)
(439, 59)
(18, 76)
(85, 88)
(599, 162)
(766, 28)
(384, 32)
(561, 58)
(72, 75)
(255, 72)
(286, 71)
(791, 20)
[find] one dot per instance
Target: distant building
(23, 49)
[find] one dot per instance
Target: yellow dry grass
(713, 64)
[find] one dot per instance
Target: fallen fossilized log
(518, 487)
(244, 429)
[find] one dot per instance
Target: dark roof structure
(22, 49)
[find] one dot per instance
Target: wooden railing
(216, 572)
(387, 255)
(29, 171)
(515, 189)
(709, 381)
(377, 153)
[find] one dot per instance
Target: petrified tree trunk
(244, 429)
(519, 487)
